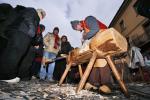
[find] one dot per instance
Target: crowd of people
(19, 26)
(24, 51)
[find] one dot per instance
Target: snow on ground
(35, 90)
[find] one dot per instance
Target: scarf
(56, 43)
(38, 30)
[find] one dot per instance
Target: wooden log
(100, 63)
(80, 71)
(108, 42)
(77, 58)
(87, 72)
(117, 75)
(74, 53)
(105, 43)
(65, 73)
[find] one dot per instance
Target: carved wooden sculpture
(102, 46)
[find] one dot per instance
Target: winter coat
(91, 26)
(65, 48)
(18, 53)
(38, 41)
(27, 21)
(60, 65)
(7, 16)
(49, 40)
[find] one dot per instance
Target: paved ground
(35, 90)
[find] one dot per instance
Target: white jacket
(136, 57)
(49, 40)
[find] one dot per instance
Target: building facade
(134, 27)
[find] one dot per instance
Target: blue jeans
(51, 66)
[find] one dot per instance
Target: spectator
(90, 26)
(52, 46)
(61, 64)
(38, 44)
(100, 74)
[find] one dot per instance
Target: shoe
(42, 80)
(33, 78)
(15, 80)
(51, 80)
(89, 86)
(105, 89)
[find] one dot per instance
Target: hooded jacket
(91, 26)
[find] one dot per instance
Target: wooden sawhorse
(94, 55)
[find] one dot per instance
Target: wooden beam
(116, 74)
(65, 73)
(80, 71)
(87, 72)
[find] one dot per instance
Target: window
(142, 8)
(122, 25)
(146, 27)
(135, 6)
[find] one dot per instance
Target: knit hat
(74, 24)
(42, 12)
(42, 27)
(56, 28)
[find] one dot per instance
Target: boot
(89, 86)
(105, 89)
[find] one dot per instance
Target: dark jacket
(65, 48)
(60, 65)
(27, 22)
(7, 16)
(18, 53)
(38, 41)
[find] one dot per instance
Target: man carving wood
(100, 74)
